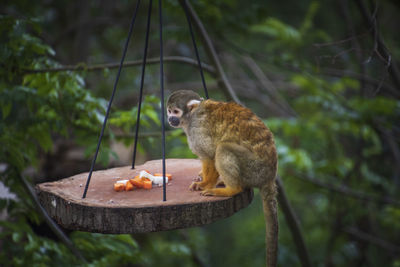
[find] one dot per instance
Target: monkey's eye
(175, 111)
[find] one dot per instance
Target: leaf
(42, 134)
(16, 237)
(153, 115)
(277, 29)
(128, 240)
(6, 109)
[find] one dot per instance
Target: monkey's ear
(193, 104)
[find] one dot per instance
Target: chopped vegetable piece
(144, 180)
(167, 175)
(147, 184)
(159, 180)
(119, 187)
(138, 182)
(145, 174)
(129, 186)
(122, 182)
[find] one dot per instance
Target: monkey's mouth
(173, 121)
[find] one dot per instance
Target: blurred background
(323, 75)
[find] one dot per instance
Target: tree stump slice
(139, 211)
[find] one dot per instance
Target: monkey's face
(174, 116)
(179, 105)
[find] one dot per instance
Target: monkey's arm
(209, 175)
(227, 159)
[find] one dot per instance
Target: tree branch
(283, 201)
(195, 257)
(387, 246)
(390, 139)
(97, 67)
(210, 50)
(338, 42)
(379, 46)
(53, 226)
(293, 224)
(349, 192)
(143, 135)
(269, 86)
(362, 77)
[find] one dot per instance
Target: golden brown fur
(234, 123)
(233, 144)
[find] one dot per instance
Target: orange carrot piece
(119, 187)
(137, 182)
(147, 185)
(129, 186)
(167, 175)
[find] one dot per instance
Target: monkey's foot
(194, 186)
(197, 186)
(221, 192)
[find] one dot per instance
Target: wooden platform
(106, 211)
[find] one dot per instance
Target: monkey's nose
(174, 121)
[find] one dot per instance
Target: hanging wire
(112, 97)
(195, 48)
(141, 83)
(141, 87)
(162, 99)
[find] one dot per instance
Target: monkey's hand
(209, 176)
(197, 186)
(199, 177)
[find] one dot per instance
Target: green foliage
(318, 143)
(25, 247)
(290, 44)
(35, 108)
(277, 29)
(167, 251)
(112, 250)
(126, 120)
(344, 132)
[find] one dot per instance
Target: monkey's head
(179, 105)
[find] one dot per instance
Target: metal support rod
(162, 99)
(195, 48)
(111, 99)
(211, 52)
(146, 44)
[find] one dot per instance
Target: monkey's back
(231, 122)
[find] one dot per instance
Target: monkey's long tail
(268, 195)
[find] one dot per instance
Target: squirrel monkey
(233, 144)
